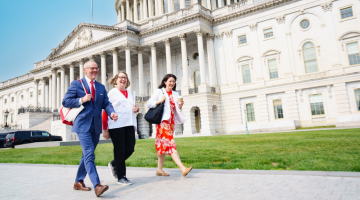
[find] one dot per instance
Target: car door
(45, 136)
(36, 136)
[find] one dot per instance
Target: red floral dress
(164, 142)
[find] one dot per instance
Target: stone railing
(41, 64)
(32, 109)
(318, 120)
(17, 80)
(142, 99)
(193, 90)
(13, 127)
(56, 117)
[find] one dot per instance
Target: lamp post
(246, 127)
(6, 115)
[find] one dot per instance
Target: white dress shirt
(89, 84)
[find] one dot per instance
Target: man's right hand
(106, 134)
(86, 98)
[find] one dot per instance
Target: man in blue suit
(88, 124)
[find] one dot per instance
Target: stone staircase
(43, 126)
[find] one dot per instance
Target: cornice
(40, 68)
(17, 83)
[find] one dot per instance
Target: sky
(31, 28)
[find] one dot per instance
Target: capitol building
(273, 64)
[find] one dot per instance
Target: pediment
(82, 35)
(350, 34)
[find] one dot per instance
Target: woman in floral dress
(164, 142)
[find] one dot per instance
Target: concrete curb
(214, 171)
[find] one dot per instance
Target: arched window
(197, 79)
(139, 11)
(177, 5)
(310, 60)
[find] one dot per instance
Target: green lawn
(328, 150)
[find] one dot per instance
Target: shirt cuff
(80, 102)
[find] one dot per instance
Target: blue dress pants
(88, 141)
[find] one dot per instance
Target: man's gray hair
(88, 62)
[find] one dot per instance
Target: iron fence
(193, 90)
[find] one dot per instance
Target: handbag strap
(83, 86)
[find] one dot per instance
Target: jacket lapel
(86, 85)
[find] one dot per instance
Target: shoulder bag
(154, 115)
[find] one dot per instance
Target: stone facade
(277, 64)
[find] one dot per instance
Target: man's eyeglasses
(92, 68)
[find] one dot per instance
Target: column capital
(103, 54)
(153, 45)
(63, 68)
(182, 36)
(209, 37)
(219, 36)
(199, 32)
(140, 50)
(92, 57)
(326, 6)
(81, 61)
(127, 46)
(114, 50)
(44, 78)
(53, 70)
(280, 19)
(50, 77)
(167, 41)
(228, 33)
(253, 26)
(36, 81)
(71, 64)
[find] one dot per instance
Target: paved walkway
(27, 181)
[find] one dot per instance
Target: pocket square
(101, 94)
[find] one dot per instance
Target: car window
(45, 134)
(10, 135)
(35, 133)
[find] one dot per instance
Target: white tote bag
(68, 115)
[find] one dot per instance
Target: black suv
(21, 137)
(2, 139)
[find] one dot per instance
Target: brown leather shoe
(81, 186)
(100, 189)
(186, 172)
(159, 173)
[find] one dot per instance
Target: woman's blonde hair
(113, 80)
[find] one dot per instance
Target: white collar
(88, 80)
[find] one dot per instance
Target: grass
(316, 127)
(325, 150)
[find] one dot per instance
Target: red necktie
(92, 91)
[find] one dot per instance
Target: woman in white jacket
(164, 142)
(122, 132)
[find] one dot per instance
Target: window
(346, 13)
(22, 97)
(310, 57)
(45, 134)
(305, 24)
(268, 33)
(187, 3)
(273, 69)
(139, 10)
(242, 39)
(31, 94)
(353, 52)
(246, 73)
(316, 105)
(177, 5)
(278, 110)
(195, 56)
(165, 6)
(12, 99)
(12, 117)
(197, 79)
(5, 101)
(39, 92)
(357, 98)
(250, 113)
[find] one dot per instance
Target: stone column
(151, 8)
(208, 4)
(170, 6)
(292, 105)
(103, 67)
(154, 66)
(263, 108)
(53, 89)
(81, 68)
(16, 106)
(66, 83)
(221, 61)
(204, 87)
(92, 58)
(168, 55)
(58, 91)
(72, 72)
(119, 15)
(257, 57)
(220, 3)
(50, 96)
(145, 10)
(36, 93)
(27, 97)
(211, 60)
(136, 18)
(122, 12)
(115, 61)
(128, 63)
(342, 99)
(43, 92)
(46, 95)
(230, 61)
(184, 62)
(62, 86)
(141, 10)
(182, 4)
(127, 10)
(156, 7)
(141, 71)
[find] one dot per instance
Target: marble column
(182, 4)
(184, 62)
(62, 74)
(27, 97)
(92, 58)
(141, 10)
(141, 71)
(128, 64)
(16, 106)
(127, 10)
(122, 12)
(103, 67)
(46, 94)
(119, 15)
(151, 8)
(58, 90)
(145, 9)
(199, 35)
(211, 59)
(81, 68)
(228, 2)
(257, 57)
(136, 17)
(72, 65)
(230, 61)
(208, 4)
(154, 66)
(156, 7)
(54, 94)
(220, 3)
(66, 83)
(115, 61)
(43, 83)
(168, 55)
(36, 93)
(50, 96)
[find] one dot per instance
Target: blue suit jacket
(91, 110)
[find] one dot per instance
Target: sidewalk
(29, 181)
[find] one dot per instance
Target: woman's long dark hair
(166, 77)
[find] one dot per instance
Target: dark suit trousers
(88, 141)
(123, 140)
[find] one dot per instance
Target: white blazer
(178, 114)
(124, 108)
